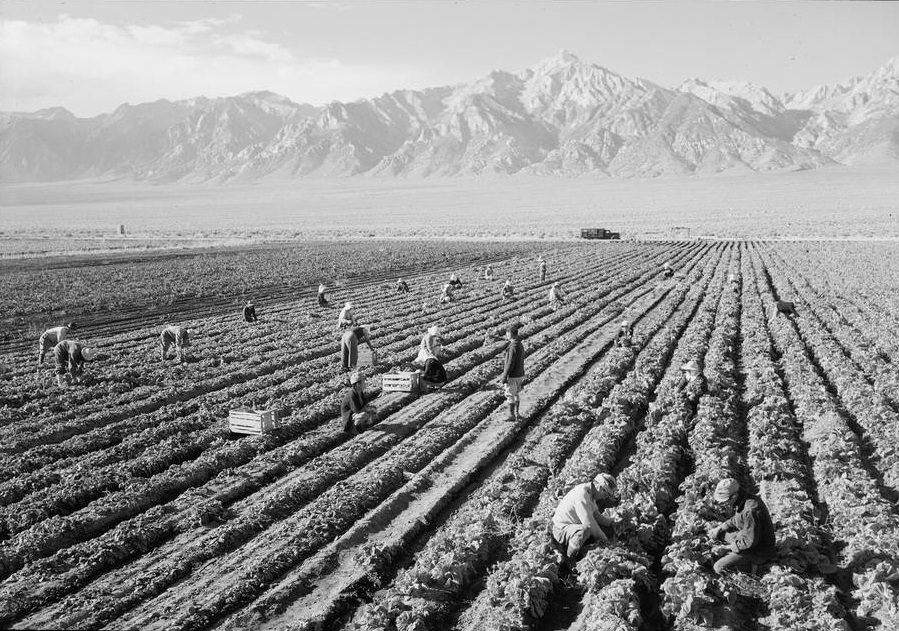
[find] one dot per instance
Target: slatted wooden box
(401, 381)
(255, 422)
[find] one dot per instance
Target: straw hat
(348, 305)
(690, 365)
(605, 484)
(355, 377)
(726, 488)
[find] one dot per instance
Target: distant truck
(599, 233)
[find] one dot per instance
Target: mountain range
(560, 117)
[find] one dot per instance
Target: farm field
(127, 504)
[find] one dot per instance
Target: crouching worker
(70, 357)
(249, 312)
(176, 336)
(434, 374)
(749, 532)
(354, 409)
(578, 519)
(402, 287)
(625, 335)
(785, 307)
(51, 337)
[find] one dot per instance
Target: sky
(90, 57)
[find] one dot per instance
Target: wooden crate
(247, 421)
(401, 381)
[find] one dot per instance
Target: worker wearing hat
(748, 532)
(578, 518)
(51, 337)
(349, 346)
(691, 386)
(249, 312)
(556, 296)
(625, 333)
(177, 336)
(322, 300)
(508, 290)
(402, 287)
(354, 409)
(666, 270)
(455, 282)
(429, 347)
(513, 370)
(346, 317)
(447, 294)
(70, 357)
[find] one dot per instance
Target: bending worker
(749, 532)
(556, 296)
(249, 312)
(177, 336)
(447, 294)
(346, 317)
(402, 287)
(455, 282)
(508, 290)
(625, 335)
(51, 337)
(349, 346)
(70, 357)
(322, 299)
(354, 408)
(578, 519)
(691, 386)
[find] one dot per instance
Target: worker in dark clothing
(177, 336)
(508, 290)
(455, 282)
(625, 335)
(488, 272)
(785, 307)
(354, 409)
(748, 532)
(666, 270)
(349, 346)
(322, 299)
(691, 386)
(51, 337)
(70, 357)
(542, 270)
(513, 370)
(249, 312)
(402, 287)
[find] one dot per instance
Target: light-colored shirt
(579, 507)
(57, 333)
(346, 316)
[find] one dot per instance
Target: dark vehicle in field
(599, 233)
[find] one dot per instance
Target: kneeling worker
(70, 357)
(354, 408)
(749, 531)
(578, 517)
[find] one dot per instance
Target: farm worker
(666, 270)
(488, 272)
(349, 346)
(430, 345)
(748, 532)
(542, 269)
(578, 518)
(785, 307)
(732, 279)
(625, 333)
(52, 337)
(691, 385)
(249, 312)
(447, 294)
(556, 296)
(177, 336)
(513, 370)
(508, 290)
(346, 317)
(70, 357)
(322, 300)
(354, 409)
(402, 286)
(455, 282)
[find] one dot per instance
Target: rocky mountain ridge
(560, 117)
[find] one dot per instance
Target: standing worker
(447, 294)
(749, 532)
(177, 336)
(556, 296)
(70, 357)
(346, 317)
(249, 312)
(578, 518)
(402, 287)
(542, 269)
(513, 370)
(691, 386)
(349, 346)
(508, 290)
(354, 409)
(51, 337)
(488, 272)
(322, 299)
(625, 334)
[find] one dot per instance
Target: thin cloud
(91, 67)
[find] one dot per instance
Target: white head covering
(726, 488)
(355, 377)
(321, 287)
(434, 330)
(605, 484)
(88, 353)
(348, 305)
